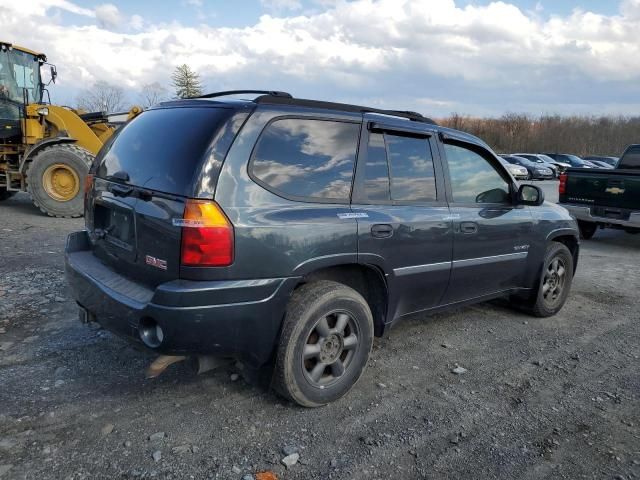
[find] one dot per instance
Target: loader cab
(20, 85)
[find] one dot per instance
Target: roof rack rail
(289, 100)
(271, 93)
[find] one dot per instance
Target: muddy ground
(541, 398)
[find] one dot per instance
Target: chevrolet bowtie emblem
(615, 190)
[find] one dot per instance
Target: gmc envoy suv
(287, 233)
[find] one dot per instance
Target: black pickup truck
(605, 198)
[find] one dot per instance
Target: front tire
(555, 281)
(55, 179)
(325, 344)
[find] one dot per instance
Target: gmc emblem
(155, 262)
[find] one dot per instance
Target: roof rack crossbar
(271, 93)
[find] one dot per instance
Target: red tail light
(562, 186)
(207, 235)
(88, 183)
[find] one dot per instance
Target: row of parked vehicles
(546, 166)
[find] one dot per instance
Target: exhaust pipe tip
(150, 332)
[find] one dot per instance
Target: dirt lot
(552, 398)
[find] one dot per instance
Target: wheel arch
(570, 239)
(368, 280)
(41, 145)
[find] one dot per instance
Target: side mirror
(530, 195)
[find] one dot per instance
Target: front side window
(631, 158)
(399, 168)
(473, 178)
(307, 158)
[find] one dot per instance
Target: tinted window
(376, 182)
(631, 158)
(409, 164)
(411, 168)
(163, 149)
(307, 158)
(473, 178)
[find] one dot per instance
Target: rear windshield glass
(162, 149)
(631, 158)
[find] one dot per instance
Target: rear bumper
(584, 213)
(239, 318)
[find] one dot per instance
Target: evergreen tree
(186, 82)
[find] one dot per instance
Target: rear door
(491, 235)
(403, 218)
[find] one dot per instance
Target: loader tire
(55, 179)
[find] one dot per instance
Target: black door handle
(381, 230)
(469, 227)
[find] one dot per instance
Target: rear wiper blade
(120, 175)
(121, 190)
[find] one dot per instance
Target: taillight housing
(562, 186)
(88, 183)
(207, 235)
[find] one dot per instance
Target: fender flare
(35, 149)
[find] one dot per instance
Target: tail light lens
(562, 186)
(88, 183)
(207, 235)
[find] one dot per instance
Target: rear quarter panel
(274, 236)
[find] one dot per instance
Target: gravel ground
(540, 398)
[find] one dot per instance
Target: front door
(491, 234)
(403, 219)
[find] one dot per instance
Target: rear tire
(5, 195)
(587, 229)
(325, 343)
(55, 179)
(555, 282)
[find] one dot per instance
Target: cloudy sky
(476, 57)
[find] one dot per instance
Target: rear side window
(631, 158)
(307, 159)
(399, 168)
(163, 149)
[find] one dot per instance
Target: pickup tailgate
(619, 189)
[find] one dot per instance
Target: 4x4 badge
(343, 216)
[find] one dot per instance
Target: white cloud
(108, 16)
(406, 54)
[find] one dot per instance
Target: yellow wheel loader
(45, 149)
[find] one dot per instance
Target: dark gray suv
(287, 233)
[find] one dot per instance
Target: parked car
(292, 231)
(573, 160)
(518, 172)
(557, 167)
(536, 171)
(605, 198)
(600, 164)
(609, 160)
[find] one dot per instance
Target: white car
(518, 172)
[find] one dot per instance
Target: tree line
(510, 133)
(577, 134)
(106, 97)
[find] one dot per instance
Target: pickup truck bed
(605, 198)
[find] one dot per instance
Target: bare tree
(102, 97)
(152, 94)
(580, 135)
